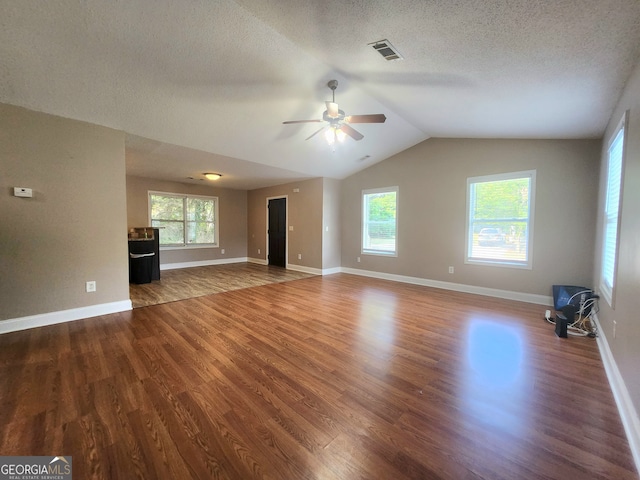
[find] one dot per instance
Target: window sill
(607, 294)
(497, 263)
(379, 253)
(187, 247)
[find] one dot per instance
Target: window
(500, 219)
(185, 220)
(612, 213)
(379, 221)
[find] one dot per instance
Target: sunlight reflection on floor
(377, 319)
(495, 383)
(495, 353)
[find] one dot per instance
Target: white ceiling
(205, 85)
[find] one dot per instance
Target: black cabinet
(144, 258)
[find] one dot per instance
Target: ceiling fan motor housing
(327, 118)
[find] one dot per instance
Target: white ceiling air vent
(388, 51)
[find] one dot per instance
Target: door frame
(286, 230)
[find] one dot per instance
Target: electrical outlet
(299, 256)
(450, 269)
(258, 251)
(91, 286)
(222, 251)
(358, 259)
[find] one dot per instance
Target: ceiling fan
(338, 122)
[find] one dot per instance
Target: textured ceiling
(205, 85)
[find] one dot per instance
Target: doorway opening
(277, 232)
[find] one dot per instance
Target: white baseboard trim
(202, 263)
(628, 413)
(259, 261)
(52, 318)
(457, 287)
(298, 268)
(303, 269)
(331, 271)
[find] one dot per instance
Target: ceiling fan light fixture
(334, 134)
(330, 136)
(212, 176)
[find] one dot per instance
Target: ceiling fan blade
(353, 133)
(315, 133)
(301, 121)
(332, 109)
(372, 118)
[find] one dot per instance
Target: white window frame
(185, 198)
(471, 181)
(373, 251)
(612, 209)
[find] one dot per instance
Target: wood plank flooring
(335, 377)
(183, 283)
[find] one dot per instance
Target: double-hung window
(380, 221)
(500, 211)
(611, 219)
(184, 220)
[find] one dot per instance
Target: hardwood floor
(336, 377)
(183, 283)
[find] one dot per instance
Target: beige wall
(625, 344)
(304, 214)
(432, 210)
(331, 234)
(232, 210)
(73, 230)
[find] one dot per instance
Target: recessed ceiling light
(212, 176)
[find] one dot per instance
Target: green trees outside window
(184, 219)
(379, 221)
(499, 212)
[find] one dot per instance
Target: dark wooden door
(277, 231)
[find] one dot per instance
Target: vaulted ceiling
(205, 85)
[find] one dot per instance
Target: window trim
(528, 265)
(609, 292)
(185, 197)
(369, 251)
